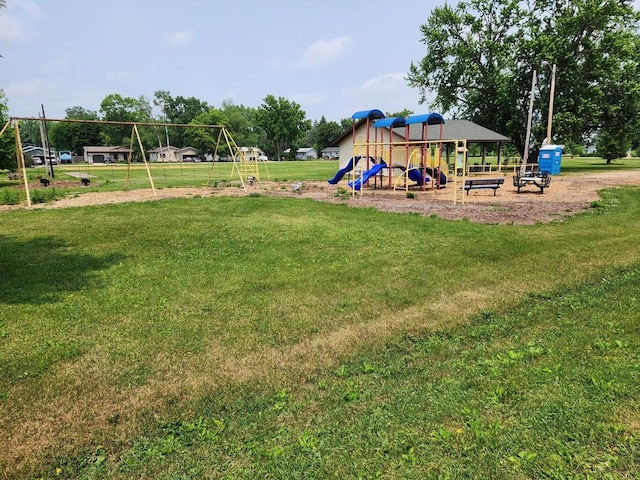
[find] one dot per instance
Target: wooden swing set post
(20, 158)
(213, 160)
(144, 159)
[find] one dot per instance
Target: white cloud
(59, 65)
(28, 88)
(389, 93)
(325, 52)
(309, 98)
(179, 38)
(17, 20)
(378, 85)
(118, 77)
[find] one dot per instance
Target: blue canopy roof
(372, 114)
(390, 122)
(428, 118)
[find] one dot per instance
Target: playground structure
(398, 153)
(245, 161)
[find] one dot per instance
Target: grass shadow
(41, 270)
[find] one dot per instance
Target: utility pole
(45, 144)
(525, 157)
(551, 95)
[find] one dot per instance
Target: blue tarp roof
(372, 114)
(390, 122)
(428, 118)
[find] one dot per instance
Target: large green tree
(30, 132)
(323, 134)
(76, 135)
(241, 124)
(114, 107)
(284, 123)
(180, 110)
(207, 139)
(481, 55)
(7, 140)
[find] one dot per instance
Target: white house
(331, 153)
(98, 154)
(164, 154)
(306, 153)
(253, 154)
(174, 154)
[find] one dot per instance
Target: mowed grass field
(263, 337)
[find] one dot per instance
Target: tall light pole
(525, 157)
(551, 95)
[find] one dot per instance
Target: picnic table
(540, 180)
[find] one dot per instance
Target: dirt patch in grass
(567, 195)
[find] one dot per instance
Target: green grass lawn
(264, 337)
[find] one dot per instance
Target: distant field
(195, 174)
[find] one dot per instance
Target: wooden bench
(539, 179)
(477, 183)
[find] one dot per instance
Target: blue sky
(333, 57)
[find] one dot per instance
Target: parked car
(66, 157)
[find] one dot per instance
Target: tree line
(276, 125)
(481, 56)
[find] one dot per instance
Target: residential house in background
(38, 156)
(304, 153)
(331, 153)
(174, 154)
(164, 154)
(96, 154)
(253, 154)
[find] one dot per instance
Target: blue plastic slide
(357, 184)
(343, 171)
(416, 176)
(436, 171)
